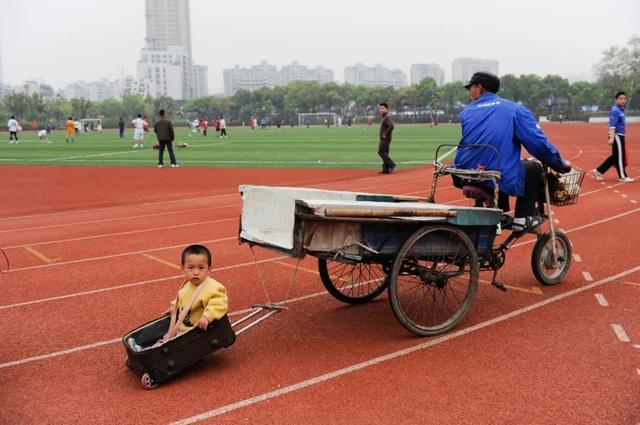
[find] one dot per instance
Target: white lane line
(109, 220)
(624, 195)
(636, 346)
(585, 226)
(577, 258)
(602, 300)
(620, 333)
(122, 254)
(393, 355)
(587, 276)
(203, 197)
(616, 190)
(130, 285)
(116, 340)
(129, 232)
(633, 201)
(638, 372)
(556, 221)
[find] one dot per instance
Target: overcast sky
(63, 41)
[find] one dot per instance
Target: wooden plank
(387, 212)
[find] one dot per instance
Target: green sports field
(317, 147)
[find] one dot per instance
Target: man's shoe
(526, 224)
(159, 165)
(383, 172)
(627, 180)
(598, 175)
(174, 165)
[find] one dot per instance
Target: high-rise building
(463, 68)
(375, 76)
(420, 71)
(296, 72)
(200, 81)
(1, 77)
(165, 61)
(254, 78)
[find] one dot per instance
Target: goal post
(317, 118)
(91, 124)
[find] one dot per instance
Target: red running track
(93, 254)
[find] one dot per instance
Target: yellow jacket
(212, 302)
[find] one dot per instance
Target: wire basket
(568, 188)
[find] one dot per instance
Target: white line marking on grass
(577, 258)
(130, 232)
(446, 154)
(602, 300)
(393, 355)
(587, 276)
(620, 333)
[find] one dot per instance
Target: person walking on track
(386, 128)
(618, 155)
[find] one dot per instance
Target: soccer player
(71, 129)
(13, 130)
(138, 132)
(43, 136)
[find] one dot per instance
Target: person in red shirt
(217, 124)
(34, 125)
(204, 124)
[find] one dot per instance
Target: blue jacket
(505, 125)
(616, 119)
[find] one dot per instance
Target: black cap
(489, 81)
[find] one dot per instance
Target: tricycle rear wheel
(434, 279)
(352, 283)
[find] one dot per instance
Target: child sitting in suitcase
(200, 300)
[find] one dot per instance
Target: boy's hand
(203, 323)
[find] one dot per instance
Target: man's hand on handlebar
(566, 166)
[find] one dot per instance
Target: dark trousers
(618, 158)
(204, 132)
(122, 134)
(526, 204)
(383, 150)
(169, 146)
(13, 135)
(223, 132)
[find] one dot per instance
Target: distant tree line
(552, 96)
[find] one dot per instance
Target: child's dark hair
(197, 250)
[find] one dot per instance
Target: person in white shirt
(223, 127)
(78, 126)
(138, 132)
(13, 130)
(42, 135)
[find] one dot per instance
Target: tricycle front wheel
(352, 283)
(546, 269)
(434, 280)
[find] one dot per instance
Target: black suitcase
(156, 365)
